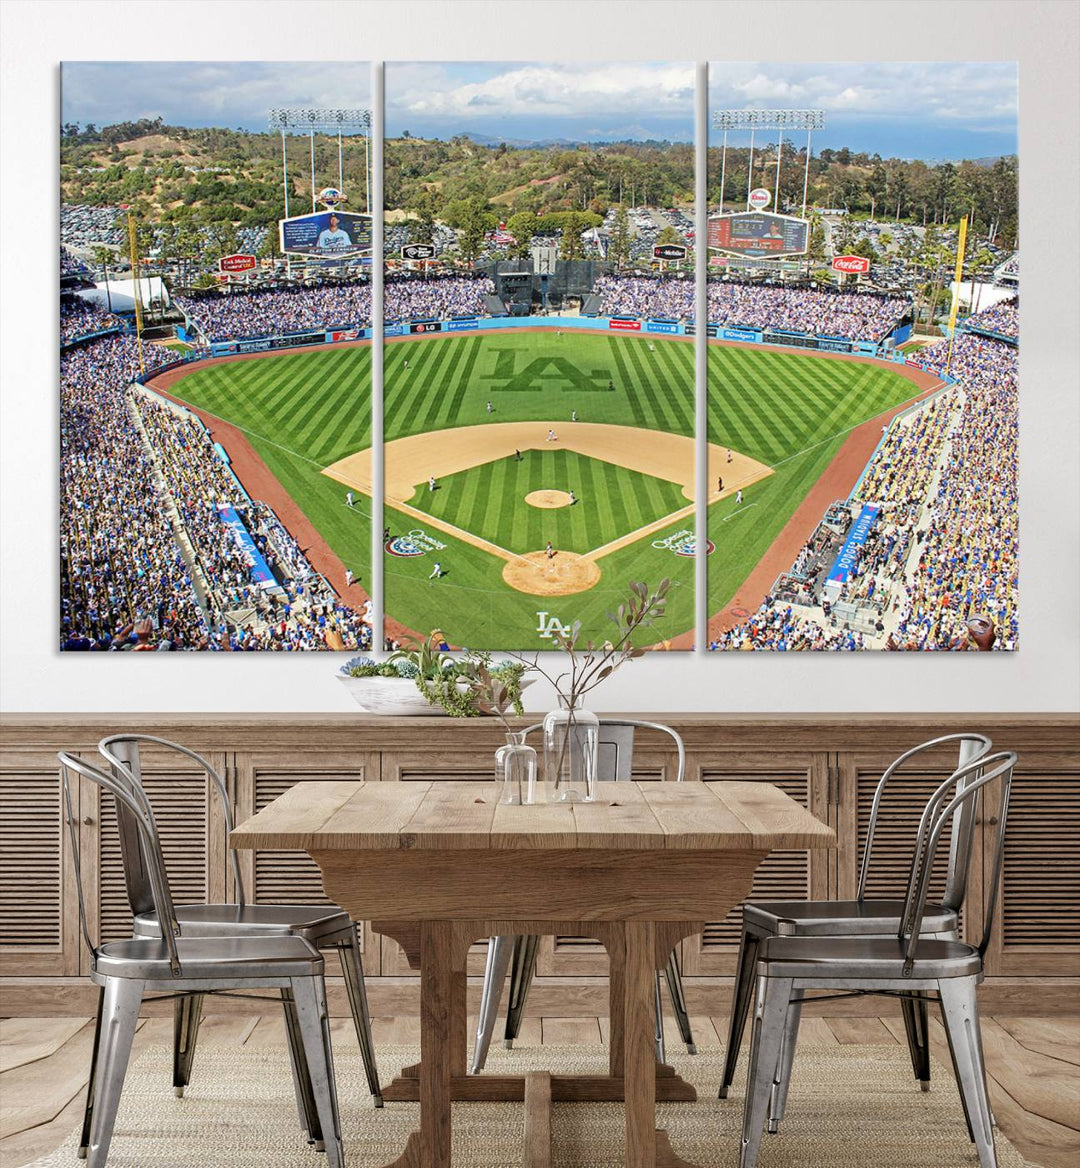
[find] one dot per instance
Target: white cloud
(540, 90)
(975, 94)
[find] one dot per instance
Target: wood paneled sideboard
(830, 763)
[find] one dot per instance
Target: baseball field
(499, 444)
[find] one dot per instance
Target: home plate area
(549, 498)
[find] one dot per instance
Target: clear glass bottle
(515, 770)
(571, 739)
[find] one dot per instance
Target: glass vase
(571, 739)
(515, 770)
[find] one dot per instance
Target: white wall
(1044, 675)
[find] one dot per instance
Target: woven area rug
(849, 1106)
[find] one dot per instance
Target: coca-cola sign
(851, 263)
(237, 263)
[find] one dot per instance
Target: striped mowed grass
(489, 501)
(303, 411)
(536, 376)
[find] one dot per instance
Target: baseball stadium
(537, 445)
(533, 465)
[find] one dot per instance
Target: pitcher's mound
(548, 499)
(562, 575)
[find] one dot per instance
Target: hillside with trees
(196, 177)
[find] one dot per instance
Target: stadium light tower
(767, 119)
(323, 120)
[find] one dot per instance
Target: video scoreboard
(759, 234)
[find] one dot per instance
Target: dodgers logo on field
(547, 626)
(683, 543)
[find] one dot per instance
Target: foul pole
(958, 276)
(137, 289)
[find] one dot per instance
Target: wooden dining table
(440, 865)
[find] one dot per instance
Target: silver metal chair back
(140, 816)
(968, 782)
(972, 747)
(615, 750)
(122, 753)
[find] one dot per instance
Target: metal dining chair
(863, 916)
(909, 963)
(323, 926)
(517, 954)
(170, 964)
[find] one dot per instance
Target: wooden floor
(1034, 1064)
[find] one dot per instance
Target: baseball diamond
(777, 420)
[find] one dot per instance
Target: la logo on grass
(547, 626)
(544, 373)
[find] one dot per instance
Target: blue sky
(907, 109)
(206, 93)
(930, 110)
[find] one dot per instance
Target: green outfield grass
(488, 500)
(792, 412)
(304, 411)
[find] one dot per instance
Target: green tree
(471, 218)
(619, 251)
(522, 227)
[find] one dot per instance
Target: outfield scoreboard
(329, 234)
(759, 234)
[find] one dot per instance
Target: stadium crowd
(435, 298)
(288, 309)
(780, 628)
(853, 316)
(80, 318)
(275, 311)
(309, 614)
(123, 581)
(943, 549)
(133, 473)
(1002, 318)
(646, 296)
(70, 264)
(967, 562)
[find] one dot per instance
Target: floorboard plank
(860, 1031)
(1040, 1141)
(25, 1040)
(570, 1031)
(27, 1146)
(1057, 1038)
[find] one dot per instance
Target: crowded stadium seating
(145, 561)
(80, 318)
(292, 309)
(1002, 320)
(944, 546)
(853, 316)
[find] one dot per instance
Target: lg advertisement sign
(759, 199)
